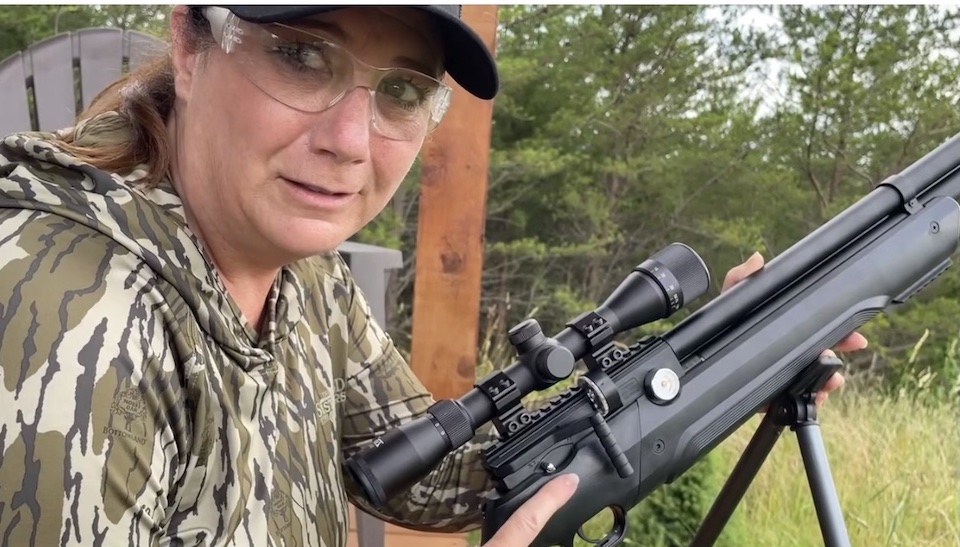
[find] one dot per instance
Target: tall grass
(894, 464)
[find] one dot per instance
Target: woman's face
(268, 183)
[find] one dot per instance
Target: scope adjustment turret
(526, 336)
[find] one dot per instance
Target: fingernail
(571, 479)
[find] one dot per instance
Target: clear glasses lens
(310, 73)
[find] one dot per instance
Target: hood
(150, 223)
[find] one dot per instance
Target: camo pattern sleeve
(382, 392)
(87, 449)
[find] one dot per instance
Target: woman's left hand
(852, 342)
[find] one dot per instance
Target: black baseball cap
(467, 59)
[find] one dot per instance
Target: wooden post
(449, 251)
(449, 257)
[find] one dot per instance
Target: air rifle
(643, 414)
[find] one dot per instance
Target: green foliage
(896, 487)
(385, 230)
(670, 516)
(623, 128)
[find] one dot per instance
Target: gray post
(369, 265)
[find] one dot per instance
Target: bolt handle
(610, 445)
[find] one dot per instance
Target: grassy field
(894, 464)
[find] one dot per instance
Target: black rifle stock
(642, 416)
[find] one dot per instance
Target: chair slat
(15, 112)
(101, 60)
(99, 53)
(141, 48)
(52, 62)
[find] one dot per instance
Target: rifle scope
(655, 289)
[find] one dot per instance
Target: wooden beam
(449, 250)
(396, 536)
(449, 253)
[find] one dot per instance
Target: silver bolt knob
(663, 385)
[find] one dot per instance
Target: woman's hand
(854, 341)
(529, 519)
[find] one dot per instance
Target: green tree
(612, 121)
(867, 91)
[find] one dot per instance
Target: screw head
(549, 467)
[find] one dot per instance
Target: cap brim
(467, 59)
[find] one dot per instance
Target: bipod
(797, 409)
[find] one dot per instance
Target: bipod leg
(739, 480)
(815, 462)
(795, 408)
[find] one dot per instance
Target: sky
(768, 83)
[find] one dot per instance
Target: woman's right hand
(526, 523)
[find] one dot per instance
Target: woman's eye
(303, 56)
(403, 90)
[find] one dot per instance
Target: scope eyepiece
(404, 455)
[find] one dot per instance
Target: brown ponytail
(144, 99)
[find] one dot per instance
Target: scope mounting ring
(596, 397)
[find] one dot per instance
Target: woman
(186, 358)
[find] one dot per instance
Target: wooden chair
(47, 85)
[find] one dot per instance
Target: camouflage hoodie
(137, 406)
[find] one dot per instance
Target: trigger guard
(616, 533)
(584, 537)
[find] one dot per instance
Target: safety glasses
(312, 73)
